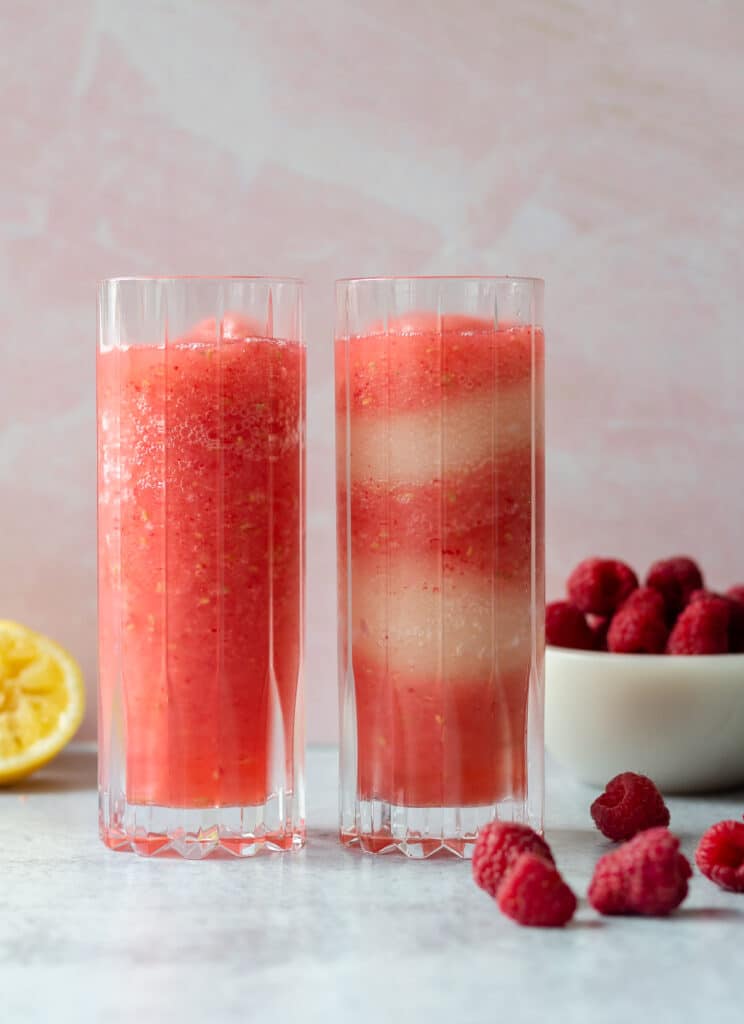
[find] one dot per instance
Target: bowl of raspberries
(647, 676)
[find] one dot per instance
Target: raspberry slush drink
(201, 524)
(440, 527)
(193, 549)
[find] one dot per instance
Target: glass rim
(164, 278)
(384, 279)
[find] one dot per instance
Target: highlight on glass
(201, 524)
(440, 472)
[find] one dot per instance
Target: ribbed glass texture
(440, 469)
(201, 484)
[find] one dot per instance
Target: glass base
(194, 834)
(421, 832)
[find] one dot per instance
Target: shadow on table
(715, 914)
(73, 771)
(592, 925)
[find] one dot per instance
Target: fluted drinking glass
(201, 483)
(440, 470)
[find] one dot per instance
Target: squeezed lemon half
(42, 700)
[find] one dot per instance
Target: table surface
(330, 934)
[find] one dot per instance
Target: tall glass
(440, 469)
(201, 519)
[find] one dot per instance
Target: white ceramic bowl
(679, 720)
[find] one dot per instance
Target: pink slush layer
(202, 617)
(412, 365)
(427, 742)
(480, 517)
(446, 475)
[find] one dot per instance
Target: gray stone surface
(327, 935)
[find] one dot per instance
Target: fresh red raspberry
(703, 627)
(648, 599)
(675, 579)
(639, 626)
(498, 846)
(607, 887)
(534, 894)
(736, 616)
(646, 876)
(629, 804)
(736, 625)
(600, 585)
(565, 626)
(720, 855)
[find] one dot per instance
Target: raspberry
(646, 876)
(607, 887)
(639, 626)
(675, 579)
(703, 627)
(498, 846)
(534, 894)
(736, 625)
(736, 616)
(600, 585)
(720, 855)
(648, 599)
(565, 626)
(629, 804)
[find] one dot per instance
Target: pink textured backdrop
(594, 144)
